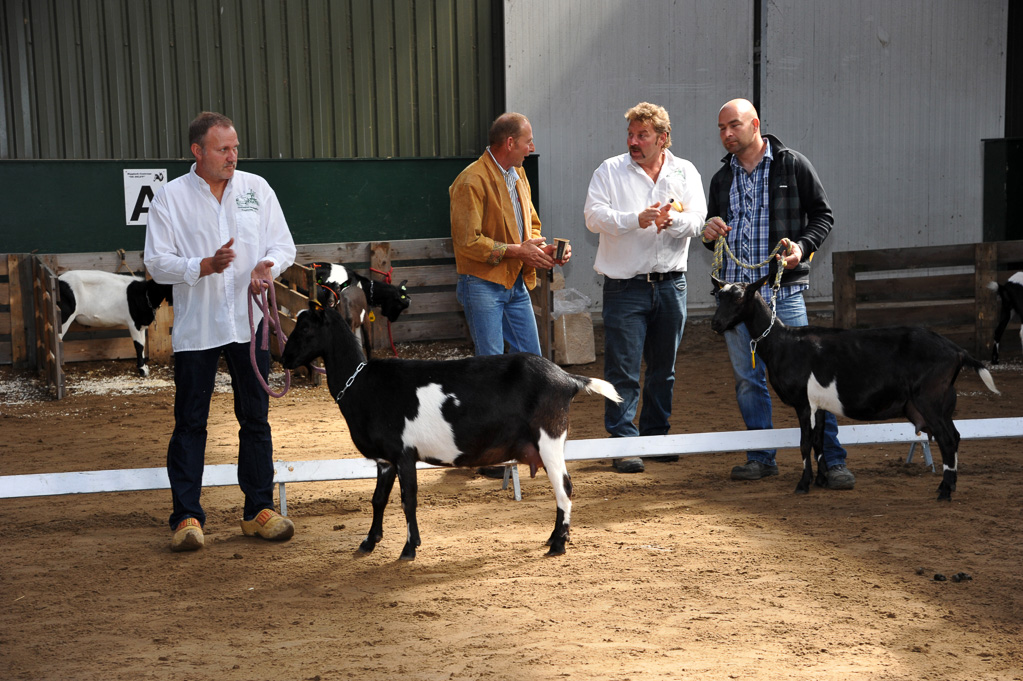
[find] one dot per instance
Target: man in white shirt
(216, 234)
(645, 205)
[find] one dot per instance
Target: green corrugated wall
(121, 79)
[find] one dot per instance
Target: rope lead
(720, 249)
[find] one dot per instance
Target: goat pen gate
(942, 287)
(49, 347)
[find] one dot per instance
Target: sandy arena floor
(675, 573)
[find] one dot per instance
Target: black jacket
(799, 208)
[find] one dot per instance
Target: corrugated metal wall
(121, 79)
(889, 100)
(689, 56)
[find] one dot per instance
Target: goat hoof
(367, 547)
(408, 554)
(556, 550)
(802, 490)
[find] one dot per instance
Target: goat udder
(531, 456)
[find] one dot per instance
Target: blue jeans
(642, 321)
(496, 314)
(751, 386)
(194, 377)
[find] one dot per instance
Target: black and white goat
(392, 300)
(864, 374)
(479, 411)
(1011, 295)
(96, 298)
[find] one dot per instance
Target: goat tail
(600, 387)
(994, 286)
(982, 371)
(985, 376)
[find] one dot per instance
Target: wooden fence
(923, 288)
(49, 348)
(427, 265)
(12, 312)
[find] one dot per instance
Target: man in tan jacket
(497, 241)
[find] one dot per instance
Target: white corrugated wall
(576, 66)
(888, 99)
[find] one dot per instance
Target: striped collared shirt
(749, 216)
(511, 176)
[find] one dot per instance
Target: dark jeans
(642, 322)
(194, 376)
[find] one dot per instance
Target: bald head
(739, 127)
(739, 108)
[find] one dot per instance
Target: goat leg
(140, 359)
(805, 445)
(818, 448)
(948, 442)
(385, 482)
(551, 450)
(1003, 320)
(409, 489)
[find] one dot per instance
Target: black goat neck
(341, 354)
(759, 320)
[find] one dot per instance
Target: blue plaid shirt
(748, 213)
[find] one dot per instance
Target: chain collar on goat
(349, 382)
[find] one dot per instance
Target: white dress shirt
(619, 191)
(186, 224)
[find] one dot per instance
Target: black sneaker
(631, 465)
(494, 472)
(753, 470)
(840, 477)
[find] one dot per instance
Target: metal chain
(349, 382)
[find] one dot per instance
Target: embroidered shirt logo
(247, 202)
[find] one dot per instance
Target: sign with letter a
(139, 187)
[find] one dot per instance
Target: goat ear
(718, 284)
(314, 305)
(772, 271)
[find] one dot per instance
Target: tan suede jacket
(483, 223)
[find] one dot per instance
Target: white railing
(133, 479)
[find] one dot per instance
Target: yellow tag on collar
(753, 358)
(371, 317)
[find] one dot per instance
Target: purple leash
(275, 321)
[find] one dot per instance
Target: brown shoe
(631, 465)
(187, 536)
(269, 525)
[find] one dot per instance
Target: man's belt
(654, 277)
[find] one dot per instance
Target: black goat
(392, 300)
(865, 374)
(97, 298)
(479, 411)
(1011, 295)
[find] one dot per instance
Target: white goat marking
(552, 453)
(429, 433)
(955, 468)
(1017, 278)
(823, 397)
(338, 276)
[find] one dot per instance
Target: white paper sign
(139, 187)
